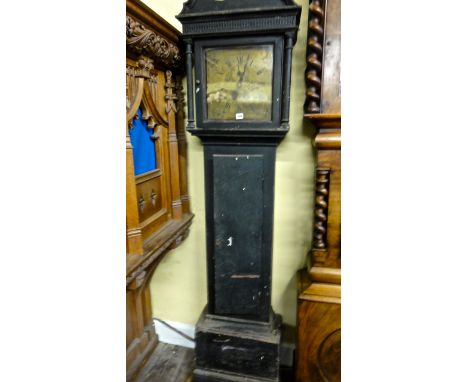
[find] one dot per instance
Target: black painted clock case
(238, 335)
(239, 186)
(239, 183)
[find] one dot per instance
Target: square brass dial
(239, 82)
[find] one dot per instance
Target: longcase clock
(241, 55)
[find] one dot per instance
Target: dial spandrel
(239, 83)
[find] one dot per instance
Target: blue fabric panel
(144, 154)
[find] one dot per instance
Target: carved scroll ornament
(143, 41)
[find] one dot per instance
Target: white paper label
(239, 115)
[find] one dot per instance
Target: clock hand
(246, 63)
(241, 74)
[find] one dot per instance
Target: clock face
(239, 83)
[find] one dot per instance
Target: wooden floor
(168, 363)
(172, 363)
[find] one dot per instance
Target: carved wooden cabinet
(318, 356)
(158, 210)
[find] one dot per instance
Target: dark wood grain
(331, 79)
(168, 363)
(316, 356)
(318, 353)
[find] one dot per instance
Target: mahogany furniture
(318, 352)
(158, 210)
(242, 52)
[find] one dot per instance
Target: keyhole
(229, 242)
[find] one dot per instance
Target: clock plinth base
(230, 349)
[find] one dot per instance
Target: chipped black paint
(238, 336)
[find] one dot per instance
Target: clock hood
(203, 6)
(205, 17)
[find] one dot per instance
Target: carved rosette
(322, 185)
(314, 55)
(145, 42)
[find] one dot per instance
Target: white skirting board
(170, 336)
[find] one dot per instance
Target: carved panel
(153, 224)
(149, 190)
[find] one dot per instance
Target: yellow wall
(178, 286)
